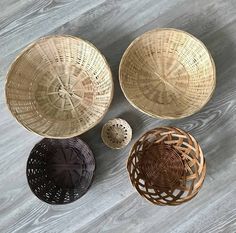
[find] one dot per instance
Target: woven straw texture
(116, 133)
(60, 171)
(167, 73)
(166, 166)
(59, 87)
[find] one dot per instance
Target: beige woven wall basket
(59, 87)
(167, 73)
(166, 166)
(116, 133)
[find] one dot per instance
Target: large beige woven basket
(167, 73)
(59, 87)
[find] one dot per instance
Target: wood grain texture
(112, 204)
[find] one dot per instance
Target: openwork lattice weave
(59, 87)
(166, 166)
(60, 171)
(116, 133)
(167, 73)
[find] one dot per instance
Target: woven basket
(59, 87)
(116, 133)
(60, 171)
(166, 166)
(167, 73)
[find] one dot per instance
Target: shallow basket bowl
(60, 171)
(116, 133)
(166, 166)
(59, 87)
(167, 73)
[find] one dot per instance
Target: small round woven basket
(59, 87)
(116, 133)
(167, 73)
(166, 166)
(60, 171)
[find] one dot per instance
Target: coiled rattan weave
(167, 73)
(166, 166)
(59, 87)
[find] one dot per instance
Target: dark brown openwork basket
(60, 171)
(166, 166)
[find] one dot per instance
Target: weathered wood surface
(112, 205)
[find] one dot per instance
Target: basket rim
(165, 127)
(28, 47)
(103, 128)
(163, 116)
(57, 204)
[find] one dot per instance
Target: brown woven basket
(59, 87)
(60, 171)
(166, 166)
(167, 73)
(116, 133)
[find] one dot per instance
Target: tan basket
(116, 133)
(59, 87)
(166, 166)
(167, 73)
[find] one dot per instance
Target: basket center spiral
(168, 79)
(162, 166)
(68, 90)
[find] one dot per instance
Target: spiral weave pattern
(166, 166)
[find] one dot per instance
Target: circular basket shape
(60, 171)
(166, 166)
(59, 87)
(116, 133)
(167, 73)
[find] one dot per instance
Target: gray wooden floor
(112, 205)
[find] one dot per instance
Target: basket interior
(166, 166)
(167, 73)
(59, 87)
(60, 172)
(116, 133)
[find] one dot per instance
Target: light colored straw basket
(166, 166)
(116, 133)
(59, 87)
(167, 73)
